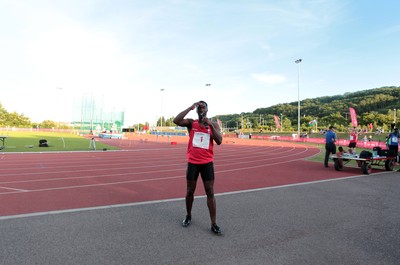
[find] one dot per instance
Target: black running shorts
(206, 171)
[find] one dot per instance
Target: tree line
(378, 106)
(14, 119)
(374, 106)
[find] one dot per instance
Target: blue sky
(125, 51)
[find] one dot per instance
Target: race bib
(201, 140)
(394, 139)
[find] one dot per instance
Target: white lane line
(154, 171)
(176, 199)
(136, 173)
(95, 185)
(7, 188)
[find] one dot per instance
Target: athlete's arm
(216, 130)
(180, 119)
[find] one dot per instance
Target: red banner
(278, 125)
(219, 123)
(353, 116)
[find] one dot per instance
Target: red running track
(41, 182)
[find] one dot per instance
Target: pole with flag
(278, 125)
(219, 124)
(313, 122)
(353, 116)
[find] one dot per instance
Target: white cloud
(127, 51)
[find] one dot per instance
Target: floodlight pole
(162, 90)
(281, 122)
(298, 61)
(59, 100)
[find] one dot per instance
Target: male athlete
(202, 134)
(353, 138)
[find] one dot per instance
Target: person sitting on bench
(339, 155)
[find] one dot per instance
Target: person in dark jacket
(330, 144)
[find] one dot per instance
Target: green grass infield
(28, 141)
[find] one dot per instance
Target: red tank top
(353, 138)
(200, 146)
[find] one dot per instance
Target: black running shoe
(216, 229)
(186, 222)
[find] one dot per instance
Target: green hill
(374, 106)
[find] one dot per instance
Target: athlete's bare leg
(191, 188)
(211, 203)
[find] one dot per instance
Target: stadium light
(298, 61)
(207, 85)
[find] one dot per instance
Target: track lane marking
(139, 180)
(177, 199)
(7, 188)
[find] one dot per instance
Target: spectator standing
(393, 143)
(330, 144)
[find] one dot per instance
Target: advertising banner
(353, 116)
(278, 125)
